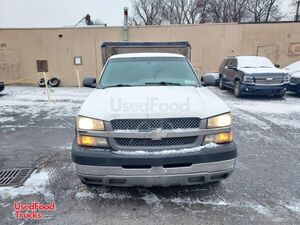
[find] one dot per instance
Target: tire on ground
(54, 82)
(221, 83)
(42, 82)
(237, 89)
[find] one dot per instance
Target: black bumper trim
(252, 89)
(92, 157)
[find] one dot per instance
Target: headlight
(224, 120)
(286, 78)
(84, 123)
(248, 79)
(91, 141)
(218, 138)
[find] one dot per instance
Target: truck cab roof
(143, 55)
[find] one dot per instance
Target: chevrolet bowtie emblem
(158, 135)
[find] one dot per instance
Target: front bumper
(106, 167)
(294, 88)
(254, 89)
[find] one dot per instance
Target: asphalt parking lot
(264, 189)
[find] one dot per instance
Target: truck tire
(237, 89)
(221, 83)
(280, 95)
(54, 82)
(42, 82)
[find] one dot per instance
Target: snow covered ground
(264, 189)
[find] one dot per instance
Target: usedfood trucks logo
(149, 105)
(32, 211)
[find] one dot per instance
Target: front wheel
(280, 95)
(237, 89)
(221, 83)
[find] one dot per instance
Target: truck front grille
(144, 142)
(153, 124)
(269, 79)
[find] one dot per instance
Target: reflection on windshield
(148, 72)
(256, 67)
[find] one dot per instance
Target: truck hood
(296, 75)
(152, 102)
(262, 71)
(292, 72)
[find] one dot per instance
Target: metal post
(297, 13)
(125, 31)
(46, 84)
(78, 77)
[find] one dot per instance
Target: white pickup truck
(151, 123)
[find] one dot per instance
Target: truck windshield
(148, 72)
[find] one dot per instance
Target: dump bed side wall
(110, 50)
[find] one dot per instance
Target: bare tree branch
(156, 12)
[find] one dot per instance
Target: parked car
(252, 75)
(216, 77)
(294, 72)
(151, 123)
(2, 86)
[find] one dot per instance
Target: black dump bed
(109, 49)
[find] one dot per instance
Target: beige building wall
(211, 43)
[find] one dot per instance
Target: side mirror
(277, 66)
(208, 80)
(89, 82)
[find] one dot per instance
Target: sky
(59, 13)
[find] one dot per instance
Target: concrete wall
(20, 48)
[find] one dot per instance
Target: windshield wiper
(119, 85)
(163, 83)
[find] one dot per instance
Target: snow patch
(295, 207)
(257, 62)
(294, 66)
(198, 201)
(32, 101)
(113, 196)
(266, 107)
(258, 208)
(105, 195)
(37, 183)
(6, 119)
(221, 203)
(152, 199)
(296, 75)
(255, 121)
(4, 205)
(286, 123)
(84, 194)
(169, 152)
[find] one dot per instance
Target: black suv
(2, 86)
(252, 75)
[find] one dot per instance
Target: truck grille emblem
(158, 135)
